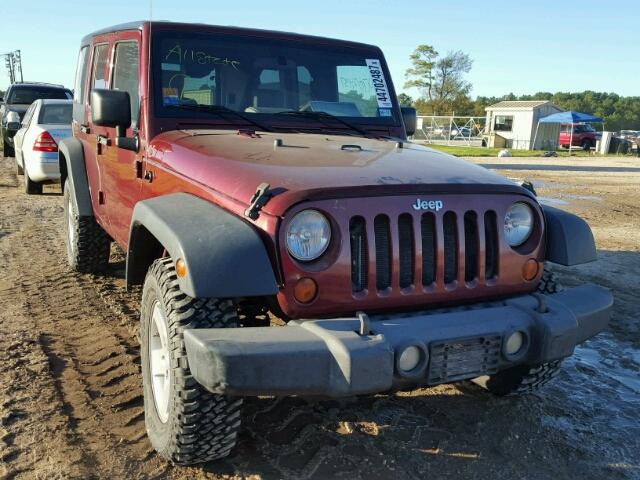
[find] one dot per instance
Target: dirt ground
(70, 386)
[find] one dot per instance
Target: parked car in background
(584, 135)
(465, 132)
(17, 99)
(45, 123)
(630, 135)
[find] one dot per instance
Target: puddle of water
(552, 201)
(591, 198)
(559, 201)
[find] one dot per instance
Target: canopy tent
(567, 117)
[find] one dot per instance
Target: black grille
(383, 252)
(450, 247)
(359, 254)
(490, 245)
(471, 246)
(461, 359)
(407, 250)
(431, 227)
(428, 233)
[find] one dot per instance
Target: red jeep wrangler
(290, 241)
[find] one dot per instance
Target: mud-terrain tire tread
(549, 283)
(526, 379)
(93, 244)
(202, 426)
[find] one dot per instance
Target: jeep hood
(304, 166)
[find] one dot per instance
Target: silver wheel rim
(71, 234)
(159, 362)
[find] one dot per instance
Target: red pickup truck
(289, 240)
(584, 135)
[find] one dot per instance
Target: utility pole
(13, 63)
(17, 64)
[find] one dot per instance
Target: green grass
(493, 152)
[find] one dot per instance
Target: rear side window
(28, 95)
(81, 75)
(55, 114)
(125, 75)
(99, 73)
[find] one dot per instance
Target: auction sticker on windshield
(379, 83)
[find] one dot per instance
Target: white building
(516, 122)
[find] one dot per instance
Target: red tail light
(45, 143)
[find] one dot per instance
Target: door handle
(105, 141)
(85, 129)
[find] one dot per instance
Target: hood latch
(258, 200)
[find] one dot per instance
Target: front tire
(8, 151)
(88, 245)
(586, 145)
(185, 423)
(525, 379)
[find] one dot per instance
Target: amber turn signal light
(305, 290)
(181, 268)
(530, 269)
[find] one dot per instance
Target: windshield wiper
(220, 110)
(324, 116)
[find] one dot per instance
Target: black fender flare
(569, 238)
(225, 257)
(72, 167)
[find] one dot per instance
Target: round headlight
(518, 224)
(308, 235)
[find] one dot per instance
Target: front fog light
(409, 358)
(514, 343)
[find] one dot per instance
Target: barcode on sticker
(379, 83)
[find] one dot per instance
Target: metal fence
(450, 130)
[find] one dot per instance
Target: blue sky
(520, 47)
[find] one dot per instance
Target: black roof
(38, 84)
(164, 24)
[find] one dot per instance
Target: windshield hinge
(259, 200)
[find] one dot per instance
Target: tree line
(440, 79)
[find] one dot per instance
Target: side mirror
(410, 119)
(13, 126)
(112, 108)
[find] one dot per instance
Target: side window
(81, 75)
(126, 75)
(99, 73)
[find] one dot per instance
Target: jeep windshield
(271, 82)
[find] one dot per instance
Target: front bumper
(331, 358)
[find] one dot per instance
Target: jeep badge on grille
(428, 205)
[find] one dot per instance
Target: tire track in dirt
(101, 408)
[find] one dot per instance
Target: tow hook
(365, 325)
(258, 200)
